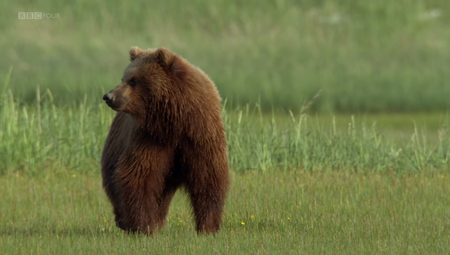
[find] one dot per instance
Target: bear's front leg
(118, 219)
(111, 191)
(139, 208)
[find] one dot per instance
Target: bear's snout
(107, 98)
(117, 103)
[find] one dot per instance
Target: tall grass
(366, 56)
(46, 139)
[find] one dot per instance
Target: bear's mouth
(116, 105)
(112, 106)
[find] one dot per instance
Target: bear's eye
(132, 82)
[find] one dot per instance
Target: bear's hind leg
(208, 200)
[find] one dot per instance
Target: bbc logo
(30, 15)
(38, 15)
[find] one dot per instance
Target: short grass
(365, 56)
(294, 212)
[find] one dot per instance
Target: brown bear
(167, 133)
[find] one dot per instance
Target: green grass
(365, 56)
(351, 183)
(301, 184)
(294, 212)
(46, 139)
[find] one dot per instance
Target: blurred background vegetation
(364, 56)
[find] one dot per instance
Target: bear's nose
(107, 97)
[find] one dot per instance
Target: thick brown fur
(167, 133)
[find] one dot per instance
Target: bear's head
(153, 77)
(165, 95)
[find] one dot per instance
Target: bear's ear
(134, 53)
(163, 57)
(170, 62)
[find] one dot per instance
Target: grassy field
(301, 185)
(363, 169)
(365, 56)
(294, 212)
